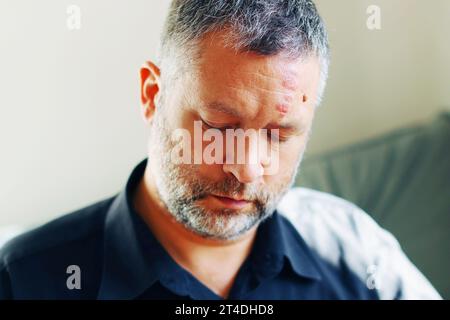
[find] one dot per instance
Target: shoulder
(62, 231)
(342, 233)
(48, 250)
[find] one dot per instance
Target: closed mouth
(232, 202)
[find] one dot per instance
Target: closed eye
(211, 126)
(272, 135)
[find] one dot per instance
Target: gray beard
(179, 187)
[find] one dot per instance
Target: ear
(150, 87)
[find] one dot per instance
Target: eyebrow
(223, 108)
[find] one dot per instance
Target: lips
(232, 202)
(232, 198)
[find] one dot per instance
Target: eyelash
(212, 127)
(223, 129)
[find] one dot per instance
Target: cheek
(290, 153)
(279, 180)
(289, 159)
(210, 172)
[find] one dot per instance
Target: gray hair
(266, 27)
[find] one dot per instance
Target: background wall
(70, 127)
(382, 79)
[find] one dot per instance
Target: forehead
(250, 81)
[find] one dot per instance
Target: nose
(244, 173)
(246, 169)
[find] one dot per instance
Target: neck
(213, 262)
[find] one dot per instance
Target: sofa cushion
(403, 180)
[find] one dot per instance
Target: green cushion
(402, 179)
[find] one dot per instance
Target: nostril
(244, 173)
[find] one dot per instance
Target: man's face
(230, 91)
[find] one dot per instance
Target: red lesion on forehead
(295, 88)
(282, 108)
(290, 78)
(284, 105)
(289, 82)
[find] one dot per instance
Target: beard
(181, 188)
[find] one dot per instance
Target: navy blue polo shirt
(118, 257)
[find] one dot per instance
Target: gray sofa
(402, 179)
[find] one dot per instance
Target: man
(195, 222)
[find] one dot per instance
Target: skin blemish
(304, 98)
(282, 108)
(289, 82)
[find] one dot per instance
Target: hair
(266, 27)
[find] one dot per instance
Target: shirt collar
(278, 246)
(133, 259)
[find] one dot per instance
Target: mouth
(231, 202)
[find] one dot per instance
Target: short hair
(265, 27)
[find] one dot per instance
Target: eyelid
(212, 126)
(281, 138)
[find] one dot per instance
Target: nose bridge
(246, 164)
